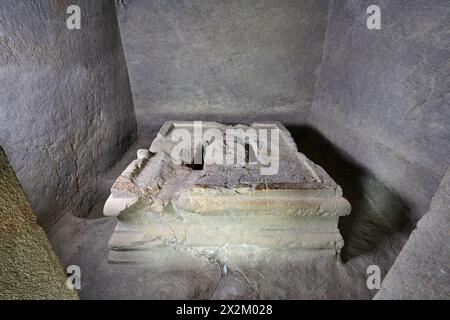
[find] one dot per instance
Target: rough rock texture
(381, 105)
(66, 110)
(383, 96)
(358, 66)
(84, 242)
(29, 269)
(225, 207)
(229, 61)
(422, 269)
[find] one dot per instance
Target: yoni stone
(166, 201)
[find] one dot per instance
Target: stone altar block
(185, 194)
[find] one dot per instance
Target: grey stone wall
(229, 61)
(29, 269)
(66, 110)
(379, 96)
(421, 270)
(383, 96)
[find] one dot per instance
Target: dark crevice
(378, 212)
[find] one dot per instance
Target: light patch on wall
(374, 19)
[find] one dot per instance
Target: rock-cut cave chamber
(369, 106)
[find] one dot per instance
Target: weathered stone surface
(382, 96)
(29, 269)
(162, 203)
(178, 274)
(233, 286)
(66, 110)
(226, 59)
(422, 269)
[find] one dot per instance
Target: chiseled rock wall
(422, 269)
(29, 269)
(227, 207)
(227, 60)
(66, 110)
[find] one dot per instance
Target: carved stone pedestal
(237, 193)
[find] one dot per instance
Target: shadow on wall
(377, 211)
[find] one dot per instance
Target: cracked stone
(230, 208)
